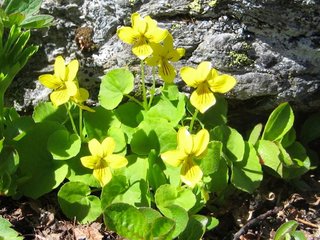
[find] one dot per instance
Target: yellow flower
(81, 96)
(102, 159)
(143, 31)
(190, 147)
(206, 80)
(162, 54)
(63, 81)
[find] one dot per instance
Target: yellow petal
(128, 35)
(108, 145)
(59, 97)
(50, 81)
(222, 83)
(72, 88)
(184, 139)
(202, 98)
(81, 95)
(158, 49)
(214, 73)
(138, 23)
(89, 161)
(191, 173)
(142, 51)
(175, 55)
(86, 108)
(167, 72)
(95, 148)
(156, 35)
(189, 76)
(60, 68)
(116, 161)
(153, 60)
(103, 175)
(168, 42)
(200, 142)
(72, 70)
(174, 157)
(203, 70)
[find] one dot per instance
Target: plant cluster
(148, 165)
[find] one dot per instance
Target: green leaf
(117, 186)
(45, 111)
(195, 229)
(210, 163)
(218, 180)
(62, 145)
(126, 220)
(298, 235)
(118, 135)
(6, 232)
(98, 123)
(168, 195)
(279, 123)
(269, 154)
(128, 114)
(155, 173)
(162, 228)
(311, 129)
(41, 173)
(289, 138)
(150, 214)
(1, 144)
(27, 7)
(301, 161)
(76, 202)
(179, 216)
(216, 115)
(131, 188)
(114, 85)
(255, 134)
(172, 111)
(212, 223)
(233, 144)
(285, 228)
(171, 92)
(247, 174)
(38, 21)
(159, 135)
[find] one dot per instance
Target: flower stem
(194, 117)
(134, 100)
(80, 125)
(1, 114)
(143, 86)
(153, 88)
(67, 105)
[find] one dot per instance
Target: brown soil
(243, 216)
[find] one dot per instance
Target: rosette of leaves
(24, 14)
(15, 17)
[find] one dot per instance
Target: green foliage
(133, 224)
(149, 165)
(6, 232)
(76, 202)
(115, 84)
(63, 145)
(287, 231)
(25, 14)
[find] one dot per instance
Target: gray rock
(272, 47)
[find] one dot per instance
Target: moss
(213, 3)
(239, 59)
(175, 26)
(195, 6)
